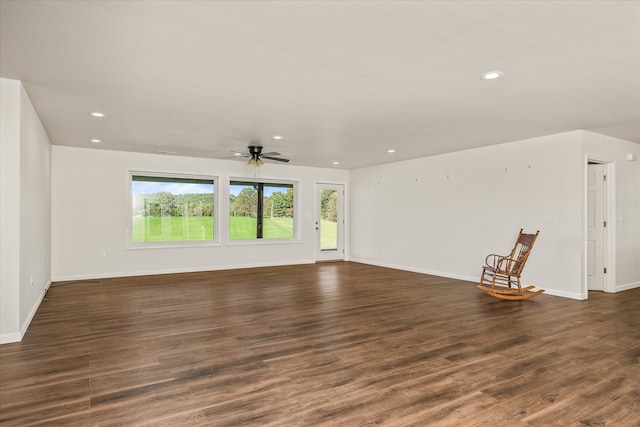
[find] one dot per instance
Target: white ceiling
(341, 81)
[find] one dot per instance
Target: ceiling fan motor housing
(255, 150)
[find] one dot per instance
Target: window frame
(172, 243)
(268, 182)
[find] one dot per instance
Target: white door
(329, 222)
(595, 227)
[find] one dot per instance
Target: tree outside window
(260, 210)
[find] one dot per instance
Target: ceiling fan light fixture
(255, 162)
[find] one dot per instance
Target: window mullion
(260, 218)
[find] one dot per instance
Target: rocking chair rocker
(501, 274)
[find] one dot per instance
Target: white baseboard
(9, 338)
(27, 322)
(547, 291)
(627, 286)
(417, 270)
(17, 336)
(565, 294)
(173, 271)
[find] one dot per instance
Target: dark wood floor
(341, 344)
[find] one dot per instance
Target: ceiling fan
(255, 156)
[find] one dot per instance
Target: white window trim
(130, 244)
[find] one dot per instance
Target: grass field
(177, 228)
(328, 237)
(172, 228)
(243, 227)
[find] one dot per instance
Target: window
(172, 208)
(261, 210)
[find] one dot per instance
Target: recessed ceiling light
(277, 137)
(336, 163)
(95, 141)
(97, 114)
(391, 151)
(237, 154)
(492, 75)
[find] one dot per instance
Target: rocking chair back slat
(520, 252)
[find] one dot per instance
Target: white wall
(625, 220)
(9, 210)
(90, 192)
(443, 214)
(25, 211)
(35, 211)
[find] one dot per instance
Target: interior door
(595, 227)
(329, 222)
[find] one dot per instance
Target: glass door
(329, 222)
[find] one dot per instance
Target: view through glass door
(329, 222)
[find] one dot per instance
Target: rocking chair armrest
(493, 260)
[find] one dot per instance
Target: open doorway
(599, 274)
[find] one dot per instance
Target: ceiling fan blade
(235, 157)
(240, 153)
(272, 153)
(277, 159)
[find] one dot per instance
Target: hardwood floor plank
(143, 405)
(29, 404)
(339, 344)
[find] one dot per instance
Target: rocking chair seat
(501, 273)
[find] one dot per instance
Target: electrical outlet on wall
(103, 255)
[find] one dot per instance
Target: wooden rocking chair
(501, 273)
